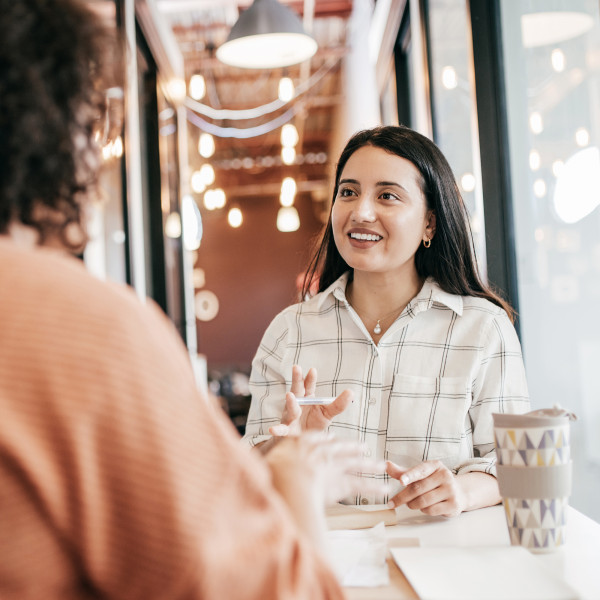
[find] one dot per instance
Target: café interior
(218, 162)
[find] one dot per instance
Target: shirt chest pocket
(428, 417)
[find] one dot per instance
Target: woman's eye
(389, 196)
(345, 193)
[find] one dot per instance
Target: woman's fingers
(339, 405)
(292, 410)
(297, 381)
(310, 382)
(279, 430)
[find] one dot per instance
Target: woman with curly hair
(118, 479)
(417, 349)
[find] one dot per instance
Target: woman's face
(380, 214)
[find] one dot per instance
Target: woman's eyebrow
(378, 184)
(392, 183)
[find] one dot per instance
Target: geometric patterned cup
(534, 476)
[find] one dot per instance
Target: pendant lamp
(267, 35)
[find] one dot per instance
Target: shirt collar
(337, 289)
(430, 293)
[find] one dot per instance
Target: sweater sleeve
(499, 386)
(268, 383)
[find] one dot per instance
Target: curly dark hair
(52, 72)
(451, 258)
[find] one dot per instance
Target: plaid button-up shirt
(426, 391)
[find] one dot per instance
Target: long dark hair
(451, 258)
(53, 64)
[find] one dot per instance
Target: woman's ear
(430, 224)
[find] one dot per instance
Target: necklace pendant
(377, 328)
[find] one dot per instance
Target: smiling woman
(404, 322)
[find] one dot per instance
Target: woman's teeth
(368, 237)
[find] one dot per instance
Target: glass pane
(552, 77)
(454, 109)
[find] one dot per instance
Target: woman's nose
(364, 210)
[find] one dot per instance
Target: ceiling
(246, 165)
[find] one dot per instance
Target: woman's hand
(434, 490)
(315, 417)
(430, 487)
(313, 470)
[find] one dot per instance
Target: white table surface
(577, 562)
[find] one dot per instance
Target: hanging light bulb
(219, 198)
(235, 217)
(197, 87)
(288, 191)
(206, 145)
(288, 155)
(176, 89)
(286, 89)
(207, 174)
(288, 219)
(173, 225)
(289, 135)
(209, 200)
(449, 77)
(198, 184)
(536, 122)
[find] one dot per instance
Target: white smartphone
(314, 401)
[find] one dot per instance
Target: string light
(449, 78)
(534, 160)
(235, 217)
(536, 123)
(288, 155)
(176, 88)
(197, 87)
(289, 135)
(288, 219)
(558, 60)
(288, 191)
(207, 174)
(198, 184)
(206, 145)
(286, 89)
(467, 182)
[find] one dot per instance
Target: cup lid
(544, 417)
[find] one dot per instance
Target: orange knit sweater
(117, 479)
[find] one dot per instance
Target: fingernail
(391, 504)
(405, 480)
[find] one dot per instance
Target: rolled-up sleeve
(499, 386)
(268, 382)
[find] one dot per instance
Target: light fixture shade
(267, 35)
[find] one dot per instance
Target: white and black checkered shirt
(426, 391)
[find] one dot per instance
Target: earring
(427, 242)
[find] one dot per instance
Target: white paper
(479, 573)
(358, 556)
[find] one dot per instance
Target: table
(578, 561)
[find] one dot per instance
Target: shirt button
(364, 501)
(372, 400)
(367, 452)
